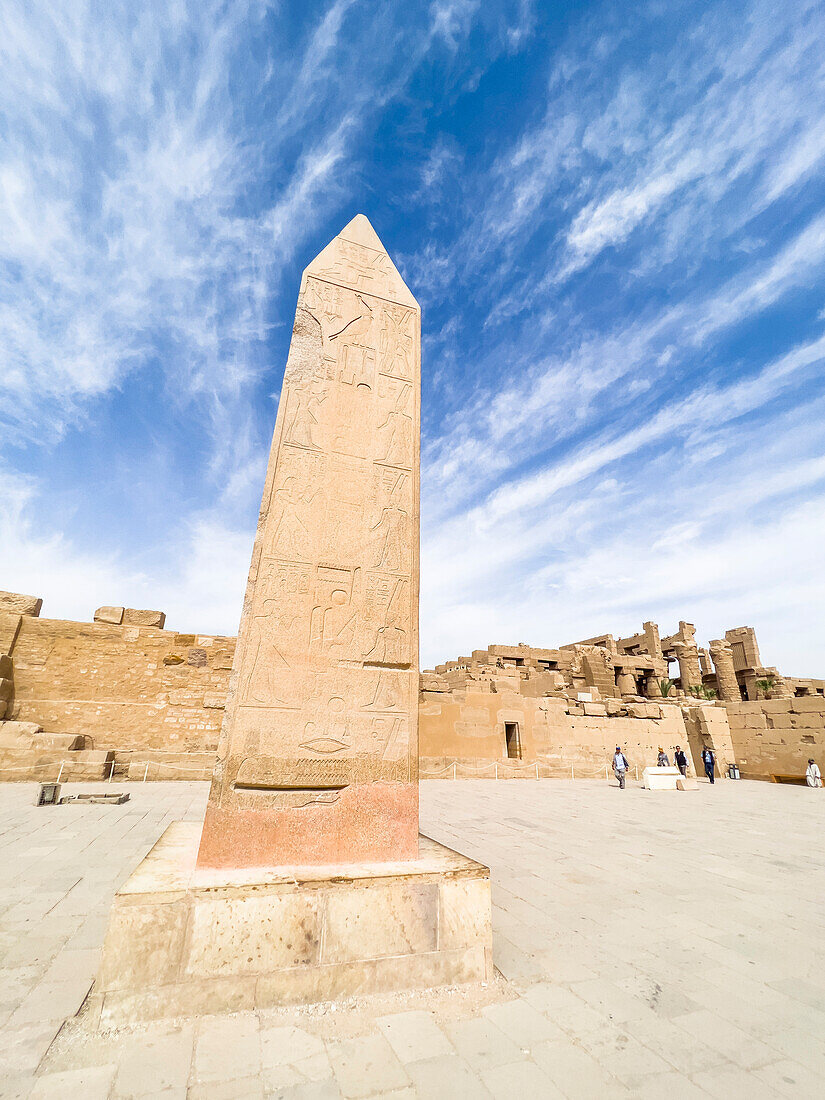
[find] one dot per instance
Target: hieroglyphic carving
(324, 703)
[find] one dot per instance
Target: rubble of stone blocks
(96, 798)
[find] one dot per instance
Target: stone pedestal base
(184, 941)
(660, 779)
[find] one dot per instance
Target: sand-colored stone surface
(317, 760)
(637, 936)
(20, 604)
(183, 939)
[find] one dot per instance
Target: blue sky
(612, 216)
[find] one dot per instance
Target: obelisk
(306, 882)
(318, 754)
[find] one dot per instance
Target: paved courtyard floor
(660, 945)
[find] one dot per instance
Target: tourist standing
(663, 761)
(680, 760)
(620, 766)
(709, 760)
(813, 776)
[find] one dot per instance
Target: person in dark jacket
(709, 760)
(680, 760)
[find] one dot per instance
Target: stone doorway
(512, 738)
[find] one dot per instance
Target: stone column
(318, 754)
(726, 683)
(689, 670)
(625, 683)
(652, 689)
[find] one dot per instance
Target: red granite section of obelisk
(317, 760)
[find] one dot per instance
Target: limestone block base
(187, 941)
(660, 779)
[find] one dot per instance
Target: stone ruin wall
(558, 738)
(110, 693)
(121, 694)
(777, 737)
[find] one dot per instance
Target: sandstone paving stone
(522, 1023)
(662, 996)
(366, 1066)
(446, 1076)
(239, 1089)
(74, 964)
(809, 993)
(281, 1046)
(52, 1001)
(575, 1072)
(719, 1034)
(790, 1079)
(414, 1035)
(311, 1090)
(674, 1086)
(724, 1082)
(623, 1055)
(316, 1067)
(804, 1047)
(227, 1047)
(92, 1083)
(23, 1047)
(481, 1044)
(645, 912)
(612, 1001)
(515, 964)
(274, 1078)
(151, 1062)
(668, 1040)
(519, 1081)
(16, 1087)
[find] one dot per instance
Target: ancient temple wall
(564, 739)
(776, 737)
(125, 688)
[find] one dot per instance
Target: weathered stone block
(133, 616)
(197, 658)
(107, 614)
(214, 702)
(187, 941)
(20, 604)
(777, 706)
(660, 779)
(753, 721)
(807, 704)
(595, 709)
(686, 783)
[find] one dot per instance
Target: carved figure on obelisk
(318, 755)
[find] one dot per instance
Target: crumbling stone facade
(562, 711)
(107, 694)
(124, 696)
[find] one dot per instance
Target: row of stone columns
(690, 672)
